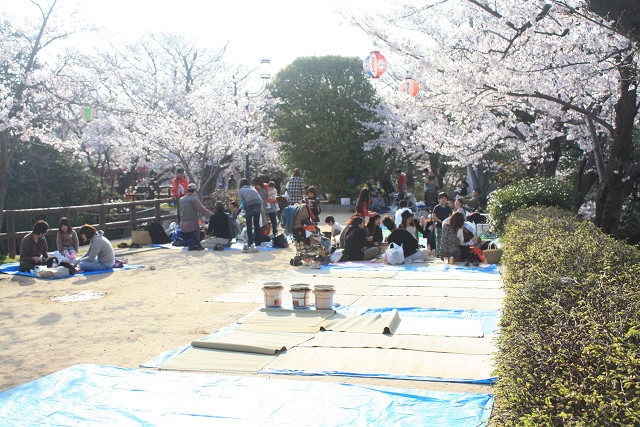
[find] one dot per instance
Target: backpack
(280, 241)
(157, 233)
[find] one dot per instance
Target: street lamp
(265, 76)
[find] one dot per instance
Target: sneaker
(178, 242)
(245, 249)
(476, 264)
(253, 249)
(196, 248)
(466, 264)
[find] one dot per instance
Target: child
(271, 206)
(440, 212)
(336, 228)
(67, 240)
(313, 202)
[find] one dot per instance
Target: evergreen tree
(320, 106)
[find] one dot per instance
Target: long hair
(355, 222)
(456, 221)
(371, 224)
(363, 200)
(64, 221)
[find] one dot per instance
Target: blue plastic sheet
(90, 395)
(234, 247)
(381, 266)
(13, 269)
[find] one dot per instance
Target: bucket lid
(323, 288)
(300, 287)
(272, 285)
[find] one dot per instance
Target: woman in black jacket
(357, 242)
(374, 231)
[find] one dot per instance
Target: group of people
(445, 229)
(34, 250)
(260, 202)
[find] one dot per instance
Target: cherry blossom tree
(522, 75)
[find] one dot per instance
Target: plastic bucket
(324, 297)
(300, 295)
(272, 294)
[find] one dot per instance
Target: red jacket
(179, 188)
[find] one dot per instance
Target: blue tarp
(12, 268)
(234, 247)
(101, 395)
(423, 267)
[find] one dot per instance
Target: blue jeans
(253, 224)
(191, 238)
(93, 266)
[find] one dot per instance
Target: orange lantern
(409, 86)
(375, 64)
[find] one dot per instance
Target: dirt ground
(144, 312)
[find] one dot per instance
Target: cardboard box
(141, 237)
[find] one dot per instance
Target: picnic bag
(157, 233)
(492, 254)
(394, 254)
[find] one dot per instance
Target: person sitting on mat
(404, 238)
(100, 255)
(33, 247)
(220, 231)
(356, 243)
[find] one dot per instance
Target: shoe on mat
(476, 264)
(196, 248)
(123, 245)
(466, 264)
(245, 249)
(253, 249)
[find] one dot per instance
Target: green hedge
(525, 193)
(568, 350)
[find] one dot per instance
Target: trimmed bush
(569, 344)
(522, 194)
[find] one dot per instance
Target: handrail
(12, 235)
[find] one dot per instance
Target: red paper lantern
(375, 64)
(409, 86)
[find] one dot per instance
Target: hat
(406, 215)
(219, 206)
(192, 186)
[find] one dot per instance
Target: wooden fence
(103, 209)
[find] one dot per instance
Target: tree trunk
(585, 180)
(616, 186)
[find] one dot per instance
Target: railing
(11, 235)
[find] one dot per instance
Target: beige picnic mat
(370, 324)
(210, 360)
(460, 345)
(438, 292)
(283, 320)
(440, 326)
(446, 275)
(253, 342)
(377, 361)
(437, 283)
(452, 303)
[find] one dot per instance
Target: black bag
(157, 233)
(280, 241)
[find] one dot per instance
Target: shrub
(568, 350)
(525, 193)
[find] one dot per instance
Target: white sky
(280, 30)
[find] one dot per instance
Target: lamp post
(265, 76)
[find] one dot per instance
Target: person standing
(33, 247)
(190, 207)
(441, 212)
(271, 206)
(180, 184)
(100, 255)
(277, 180)
(295, 187)
(402, 181)
(232, 184)
(252, 203)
